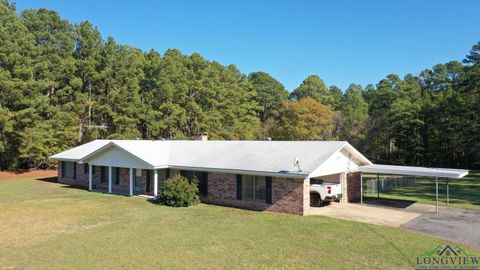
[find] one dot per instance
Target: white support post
(448, 195)
(109, 179)
(155, 183)
(436, 194)
(90, 176)
(361, 188)
(343, 183)
(131, 181)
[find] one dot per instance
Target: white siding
(116, 157)
(337, 163)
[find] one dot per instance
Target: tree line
(63, 84)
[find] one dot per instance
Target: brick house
(257, 175)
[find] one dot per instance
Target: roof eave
(236, 171)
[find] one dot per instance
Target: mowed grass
(47, 225)
(464, 193)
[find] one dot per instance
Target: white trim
(155, 183)
(90, 176)
(131, 181)
(109, 179)
(233, 171)
(417, 171)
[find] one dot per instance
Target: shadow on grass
(48, 179)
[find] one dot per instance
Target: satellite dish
(296, 162)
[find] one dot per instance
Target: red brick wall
(353, 187)
(81, 179)
(287, 194)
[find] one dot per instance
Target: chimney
(202, 136)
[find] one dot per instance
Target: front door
(138, 181)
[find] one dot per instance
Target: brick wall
(288, 195)
(81, 177)
(353, 187)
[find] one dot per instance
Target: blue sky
(341, 41)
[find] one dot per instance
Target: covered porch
(125, 181)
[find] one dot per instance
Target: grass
(46, 225)
(464, 193)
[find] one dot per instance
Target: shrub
(178, 192)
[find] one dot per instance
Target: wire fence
(388, 183)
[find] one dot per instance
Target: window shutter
(93, 170)
(62, 164)
(239, 186)
(147, 188)
(102, 174)
(117, 175)
(268, 189)
(167, 174)
(205, 183)
(74, 170)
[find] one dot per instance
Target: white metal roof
(410, 170)
(254, 156)
(79, 152)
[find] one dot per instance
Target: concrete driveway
(455, 224)
(385, 216)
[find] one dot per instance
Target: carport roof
(410, 170)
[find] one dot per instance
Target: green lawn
(464, 193)
(51, 226)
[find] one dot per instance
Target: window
(253, 187)
(202, 178)
(148, 187)
(162, 176)
(104, 174)
(68, 169)
(188, 174)
(116, 175)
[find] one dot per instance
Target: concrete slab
(366, 213)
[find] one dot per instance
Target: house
(258, 175)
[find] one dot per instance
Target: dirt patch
(29, 174)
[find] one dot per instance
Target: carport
(412, 171)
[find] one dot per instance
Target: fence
(387, 183)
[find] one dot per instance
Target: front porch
(124, 181)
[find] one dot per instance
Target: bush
(178, 192)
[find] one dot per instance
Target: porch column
(90, 173)
(131, 181)
(155, 183)
(109, 179)
(344, 188)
